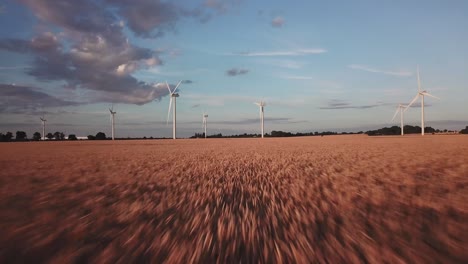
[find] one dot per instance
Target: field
(336, 199)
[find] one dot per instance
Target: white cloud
(297, 52)
(277, 22)
(370, 69)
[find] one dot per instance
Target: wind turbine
(43, 120)
(112, 117)
(174, 96)
(400, 109)
(261, 105)
(205, 121)
(421, 93)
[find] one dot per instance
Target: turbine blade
(419, 80)
(396, 113)
(167, 85)
(177, 86)
(430, 95)
(412, 102)
(169, 111)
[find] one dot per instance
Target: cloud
(195, 105)
(277, 22)
(13, 67)
(297, 77)
(341, 104)
(297, 52)
(236, 72)
(24, 99)
(87, 50)
(187, 81)
(369, 69)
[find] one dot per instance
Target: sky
(318, 65)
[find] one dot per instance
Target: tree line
(22, 136)
(396, 130)
(275, 133)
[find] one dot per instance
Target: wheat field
(332, 199)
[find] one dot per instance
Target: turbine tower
(112, 117)
(421, 93)
(261, 105)
(43, 120)
(174, 96)
(400, 109)
(205, 121)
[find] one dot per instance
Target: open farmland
(297, 200)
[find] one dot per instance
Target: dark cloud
(187, 81)
(340, 104)
(23, 99)
(148, 18)
(235, 72)
(277, 22)
(92, 52)
(86, 48)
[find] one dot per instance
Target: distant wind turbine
(421, 94)
(400, 109)
(205, 121)
(261, 105)
(43, 120)
(174, 96)
(112, 117)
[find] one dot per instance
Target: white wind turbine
(421, 93)
(261, 105)
(43, 120)
(400, 109)
(205, 122)
(112, 118)
(174, 96)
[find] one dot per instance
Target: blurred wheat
(340, 199)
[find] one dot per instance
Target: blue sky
(319, 65)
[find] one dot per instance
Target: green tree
(50, 135)
(100, 136)
(72, 137)
(464, 131)
(37, 136)
(21, 135)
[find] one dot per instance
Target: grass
(296, 200)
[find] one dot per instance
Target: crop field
(336, 199)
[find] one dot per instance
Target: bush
(100, 136)
(464, 131)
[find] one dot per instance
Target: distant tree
(100, 136)
(464, 131)
(50, 135)
(21, 135)
(57, 135)
(37, 136)
(91, 137)
(72, 137)
(6, 137)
